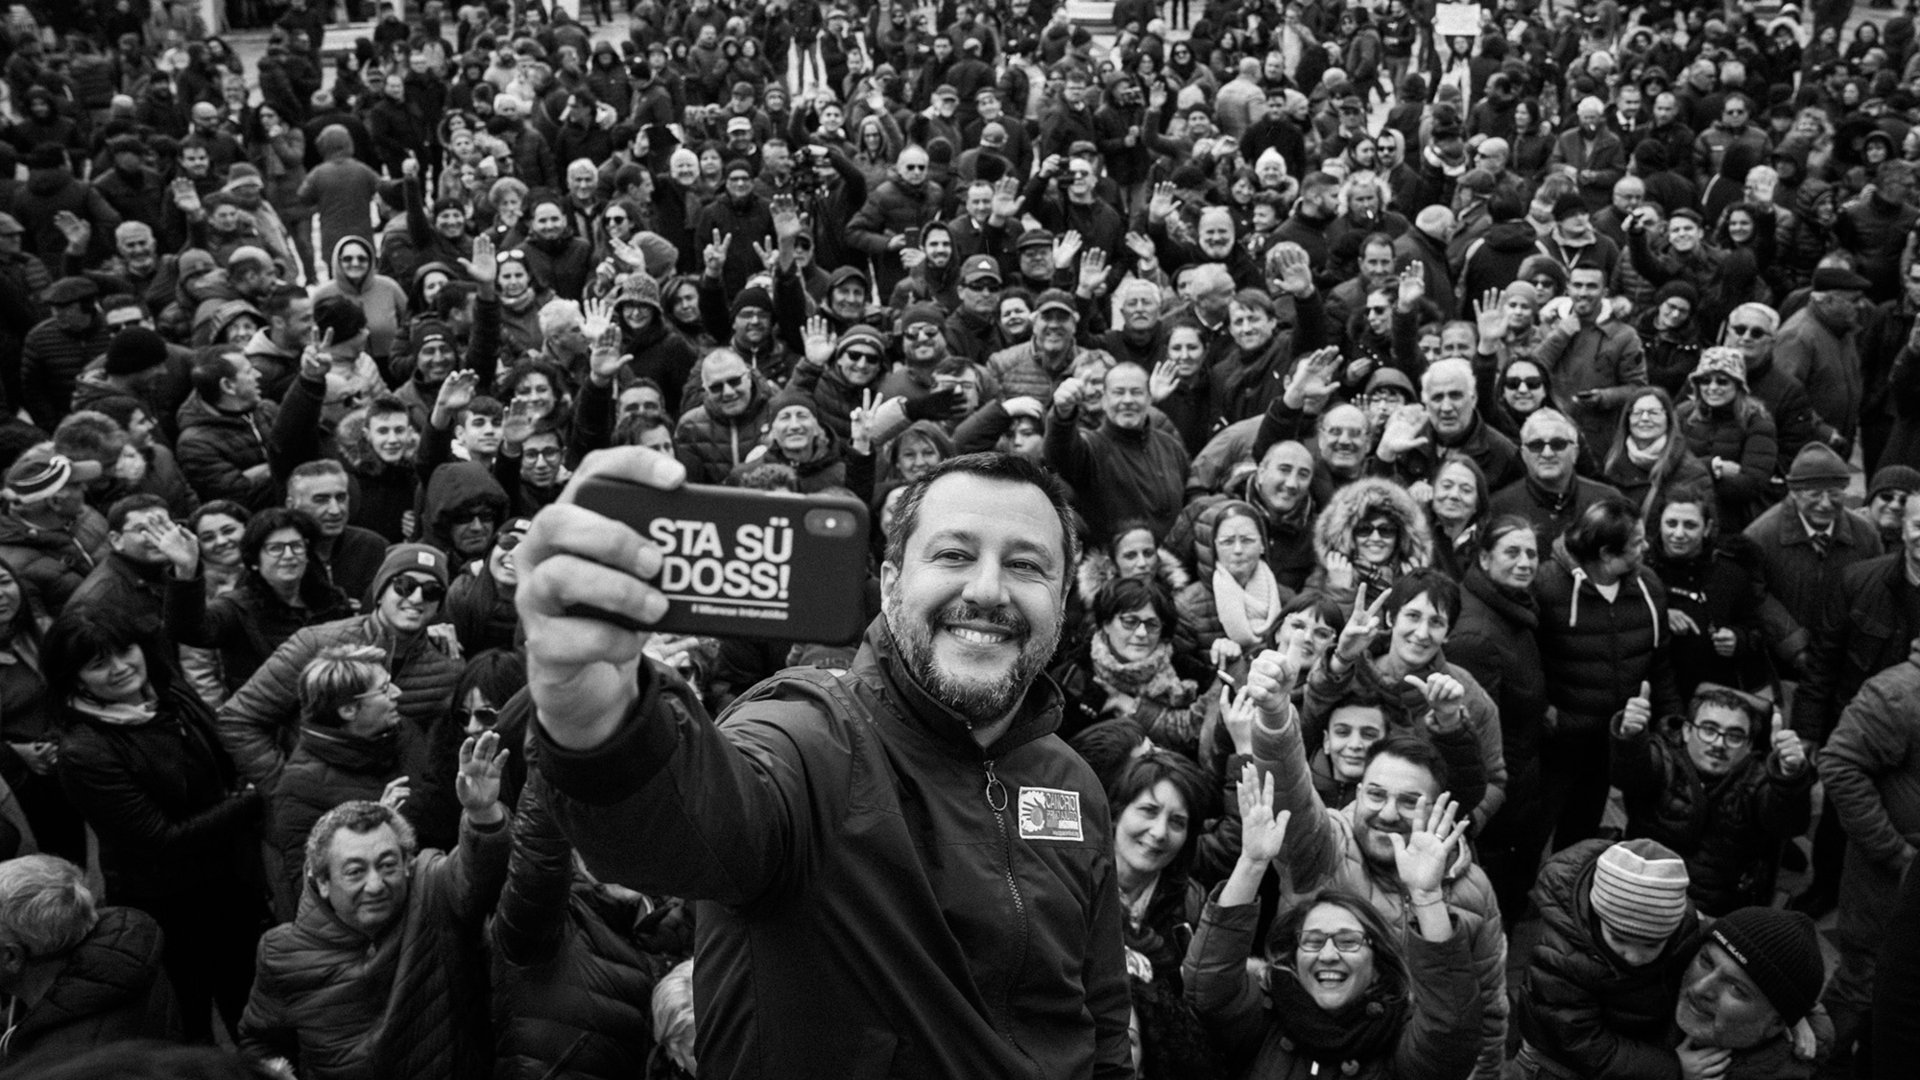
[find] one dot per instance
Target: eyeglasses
(431, 592)
(913, 168)
(486, 716)
(1524, 382)
(1647, 414)
(1733, 738)
(1133, 624)
(1386, 530)
(544, 453)
(1714, 380)
(1346, 941)
(383, 690)
(285, 549)
(1748, 331)
(1542, 446)
(732, 382)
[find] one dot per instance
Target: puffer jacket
(53, 564)
(1322, 850)
(939, 976)
(51, 359)
(1349, 506)
(1596, 654)
(216, 448)
(1290, 553)
(1728, 828)
(892, 208)
(259, 722)
(1744, 434)
(110, 987)
(1232, 1002)
(711, 445)
(247, 623)
(573, 967)
(1495, 641)
(330, 766)
(1020, 370)
(1583, 1008)
(409, 1002)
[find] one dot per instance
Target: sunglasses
(1541, 446)
(1748, 331)
(616, 219)
(485, 715)
(431, 592)
(1382, 529)
(1714, 380)
(733, 382)
(923, 333)
(1524, 382)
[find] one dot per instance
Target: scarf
(1246, 614)
(116, 713)
(1648, 457)
(1364, 1031)
(1151, 678)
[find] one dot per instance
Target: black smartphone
(749, 564)
(913, 237)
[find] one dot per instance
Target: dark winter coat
(247, 623)
(1118, 473)
(1868, 625)
(1720, 588)
(216, 448)
(52, 564)
(1729, 828)
(711, 445)
(1745, 436)
(410, 1002)
(51, 360)
(1290, 551)
(1595, 653)
(330, 766)
(110, 987)
(1584, 1008)
(1495, 641)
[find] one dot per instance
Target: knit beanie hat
(1894, 478)
(921, 313)
(1640, 889)
(1677, 288)
(643, 290)
(1721, 360)
(864, 339)
(135, 349)
(752, 296)
(1780, 952)
(792, 398)
(401, 558)
(1817, 465)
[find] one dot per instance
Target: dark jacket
(160, 795)
(825, 794)
(51, 563)
(51, 360)
(1868, 626)
(247, 623)
(1495, 641)
(1728, 828)
(411, 1002)
(1748, 438)
(1118, 473)
(110, 987)
(330, 766)
(573, 967)
(1290, 551)
(1595, 653)
(710, 445)
(1584, 1008)
(127, 594)
(216, 448)
(1718, 589)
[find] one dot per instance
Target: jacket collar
(880, 662)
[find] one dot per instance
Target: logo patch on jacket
(1049, 814)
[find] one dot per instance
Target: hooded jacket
(110, 987)
(1597, 653)
(379, 296)
(1352, 504)
(989, 941)
(1583, 1008)
(53, 562)
(411, 1001)
(459, 485)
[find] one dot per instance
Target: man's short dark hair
(1414, 750)
(127, 506)
(1606, 527)
(358, 816)
(280, 300)
(991, 465)
(342, 316)
(210, 371)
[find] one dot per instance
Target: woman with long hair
(1128, 670)
(1714, 590)
(1650, 451)
(1732, 432)
(1456, 507)
(1160, 801)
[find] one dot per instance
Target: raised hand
(1067, 396)
(1413, 286)
(1270, 683)
(819, 340)
(396, 792)
(179, 545)
(1406, 430)
(1491, 316)
(1093, 270)
(768, 253)
(1638, 712)
(477, 785)
(1262, 834)
(786, 219)
(456, 393)
(1312, 377)
(911, 258)
(1444, 696)
(1163, 381)
(187, 199)
(1296, 272)
(75, 228)
(1339, 570)
(1237, 713)
(1364, 624)
(1067, 249)
(1161, 204)
(1423, 855)
(482, 267)
(1006, 200)
(599, 318)
(715, 256)
(410, 168)
(317, 359)
(1224, 651)
(1142, 247)
(862, 420)
(604, 362)
(627, 252)
(1787, 747)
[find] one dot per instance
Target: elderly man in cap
(48, 533)
(1817, 346)
(1033, 261)
(57, 350)
(1750, 992)
(1806, 543)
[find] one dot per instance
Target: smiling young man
(788, 826)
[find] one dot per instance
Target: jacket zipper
(996, 793)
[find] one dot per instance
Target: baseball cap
(980, 268)
(1056, 300)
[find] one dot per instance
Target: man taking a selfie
(901, 869)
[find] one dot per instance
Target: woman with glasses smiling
(1127, 669)
(1650, 453)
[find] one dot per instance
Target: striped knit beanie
(1640, 889)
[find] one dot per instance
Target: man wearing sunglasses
(905, 202)
(1551, 495)
(716, 435)
(257, 725)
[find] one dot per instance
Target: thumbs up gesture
(1639, 710)
(1444, 695)
(1787, 747)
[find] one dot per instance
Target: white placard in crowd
(1457, 20)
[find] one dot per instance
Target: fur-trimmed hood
(1096, 570)
(1333, 530)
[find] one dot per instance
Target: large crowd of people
(1389, 542)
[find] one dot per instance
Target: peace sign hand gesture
(315, 360)
(1363, 626)
(863, 419)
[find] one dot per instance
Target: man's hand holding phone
(582, 671)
